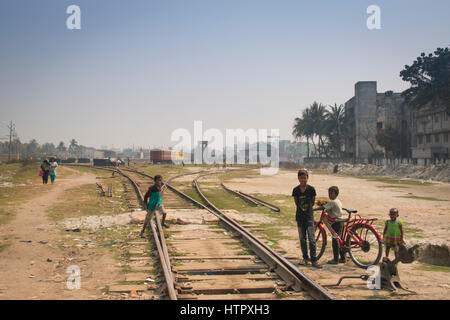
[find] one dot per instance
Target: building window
(379, 125)
(436, 137)
(446, 116)
(436, 117)
(420, 139)
(428, 138)
(446, 137)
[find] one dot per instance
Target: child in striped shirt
(393, 232)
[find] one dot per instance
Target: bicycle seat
(350, 211)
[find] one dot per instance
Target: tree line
(325, 124)
(33, 149)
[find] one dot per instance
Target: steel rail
(160, 244)
(159, 241)
(285, 269)
(236, 193)
(262, 202)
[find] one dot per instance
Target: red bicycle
(358, 237)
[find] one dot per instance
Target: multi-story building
(424, 134)
(431, 136)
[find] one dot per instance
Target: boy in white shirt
(334, 211)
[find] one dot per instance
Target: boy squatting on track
(154, 203)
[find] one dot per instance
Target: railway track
(209, 262)
(214, 257)
(253, 201)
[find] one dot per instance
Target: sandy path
(25, 272)
(371, 198)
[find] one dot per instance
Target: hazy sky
(139, 69)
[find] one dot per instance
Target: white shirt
(334, 208)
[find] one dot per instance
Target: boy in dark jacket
(305, 197)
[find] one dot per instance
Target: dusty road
(34, 265)
(424, 221)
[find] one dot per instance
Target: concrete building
(432, 136)
(369, 111)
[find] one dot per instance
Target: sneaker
(316, 265)
(342, 260)
(142, 235)
(165, 225)
(332, 262)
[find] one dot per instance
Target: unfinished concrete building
(369, 111)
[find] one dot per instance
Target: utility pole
(11, 129)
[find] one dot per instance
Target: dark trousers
(45, 177)
(306, 229)
(337, 251)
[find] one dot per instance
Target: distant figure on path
(336, 169)
(53, 166)
(45, 167)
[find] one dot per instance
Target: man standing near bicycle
(334, 211)
(305, 197)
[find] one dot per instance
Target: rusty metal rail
(295, 279)
(160, 242)
(158, 235)
(236, 193)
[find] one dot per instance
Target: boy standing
(304, 198)
(334, 211)
(155, 203)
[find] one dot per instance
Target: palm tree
(317, 116)
(73, 147)
(335, 126)
(303, 128)
(61, 147)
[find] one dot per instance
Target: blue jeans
(306, 227)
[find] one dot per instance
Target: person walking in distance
(45, 167)
(53, 166)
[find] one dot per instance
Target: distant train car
(161, 156)
(68, 160)
(84, 160)
(101, 162)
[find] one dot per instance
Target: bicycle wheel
(364, 245)
(321, 240)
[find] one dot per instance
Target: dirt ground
(34, 265)
(424, 221)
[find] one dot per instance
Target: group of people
(48, 168)
(305, 198)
